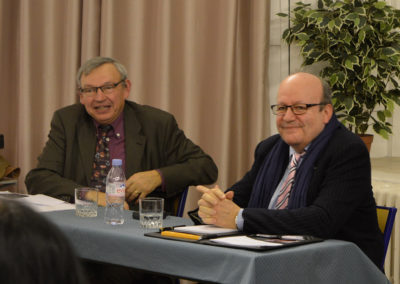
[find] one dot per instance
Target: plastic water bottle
(115, 194)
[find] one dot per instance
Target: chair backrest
(386, 216)
(182, 202)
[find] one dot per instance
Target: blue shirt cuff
(240, 220)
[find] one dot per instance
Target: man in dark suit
(158, 159)
(325, 192)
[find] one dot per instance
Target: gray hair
(326, 92)
(95, 62)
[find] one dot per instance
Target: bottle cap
(116, 162)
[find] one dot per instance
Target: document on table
(39, 202)
(204, 230)
(244, 241)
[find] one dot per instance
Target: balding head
(298, 130)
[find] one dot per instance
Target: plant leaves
(380, 5)
(333, 79)
(349, 64)
(381, 116)
(388, 51)
(348, 103)
(303, 36)
(282, 15)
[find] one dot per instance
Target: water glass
(86, 201)
(151, 212)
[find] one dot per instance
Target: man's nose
(289, 114)
(99, 94)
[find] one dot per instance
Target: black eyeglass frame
(93, 90)
(292, 107)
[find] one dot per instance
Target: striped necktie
(101, 162)
(284, 192)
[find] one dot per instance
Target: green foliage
(360, 41)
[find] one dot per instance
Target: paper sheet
(244, 241)
(204, 229)
(39, 202)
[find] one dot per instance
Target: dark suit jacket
(340, 202)
(152, 141)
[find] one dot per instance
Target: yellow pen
(180, 235)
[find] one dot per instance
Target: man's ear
(127, 86)
(328, 112)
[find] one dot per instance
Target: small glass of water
(86, 201)
(151, 212)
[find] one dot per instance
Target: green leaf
(367, 71)
(342, 78)
(333, 79)
(381, 131)
(349, 64)
(361, 36)
(331, 25)
(390, 106)
(360, 11)
(348, 37)
(338, 23)
(348, 103)
(282, 15)
(285, 35)
(373, 63)
(387, 113)
(357, 22)
(338, 5)
(303, 36)
(351, 17)
(380, 5)
(354, 59)
(323, 22)
(370, 82)
(351, 119)
(381, 116)
(388, 51)
(362, 22)
(297, 28)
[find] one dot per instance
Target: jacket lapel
(87, 145)
(135, 142)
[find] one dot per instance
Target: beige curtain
(205, 61)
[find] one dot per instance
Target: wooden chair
(386, 216)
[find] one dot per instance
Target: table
(331, 261)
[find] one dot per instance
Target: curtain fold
(203, 61)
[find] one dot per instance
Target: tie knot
(296, 158)
(104, 129)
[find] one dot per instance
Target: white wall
(279, 69)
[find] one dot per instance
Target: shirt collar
(116, 124)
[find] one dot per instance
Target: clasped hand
(217, 207)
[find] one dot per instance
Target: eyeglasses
(106, 89)
(296, 109)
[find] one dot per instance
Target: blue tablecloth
(331, 261)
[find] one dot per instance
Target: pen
(282, 237)
(180, 235)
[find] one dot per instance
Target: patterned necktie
(284, 192)
(101, 163)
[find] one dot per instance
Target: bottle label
(116, 189)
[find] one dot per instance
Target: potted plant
(359, 41)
